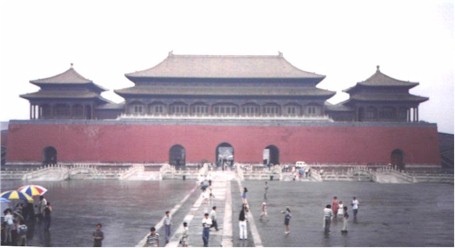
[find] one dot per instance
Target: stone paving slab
(390, 214)
(220, 189)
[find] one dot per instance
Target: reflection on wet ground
(127, 210)
(389, 215)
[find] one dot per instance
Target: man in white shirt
(355, 207)
(167, 227)
(206, 224)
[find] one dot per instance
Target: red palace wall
(138, 142)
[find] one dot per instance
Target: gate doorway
(271, 155)
(224, 156)
(50, 155)
(177, 156)
(397, 158)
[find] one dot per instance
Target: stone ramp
(221, 185)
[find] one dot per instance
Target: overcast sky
(343, 40)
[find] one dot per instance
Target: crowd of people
(16, 221)
(334, 212)
(209, 220)
(337, 210)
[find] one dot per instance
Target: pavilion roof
(60, 94)
(379, 79)
(383, 97)
(224, 66)
(68, 77)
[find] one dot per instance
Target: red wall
(132, 142)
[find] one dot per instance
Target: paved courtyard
(420, 214)
(389, 215)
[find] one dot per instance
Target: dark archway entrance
(177, 156)
(224, 155)
(397, 158)
(50, 155)
(271, 155)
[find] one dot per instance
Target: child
(345, 220)
(245, 191)
(340, 212)
(153, 240)
(264, 210)
(22, 234)
(98, 236)
(184, 238)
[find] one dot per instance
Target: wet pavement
(127, 209)
(389, 215)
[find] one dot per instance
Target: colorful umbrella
(16, 195)
(33, 190)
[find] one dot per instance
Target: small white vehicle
(300, 164)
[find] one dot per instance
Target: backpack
(22, 229)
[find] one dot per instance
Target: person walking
(335, 206)
(264, 210)
(184, 238)
(355, 207)
(266, 189)
(206, 224)
(205, 199)
(98, 236)
(344, 229)
(153, 239)
(167, 227)
(213, 217)
(41, 206)
(47, 216)
(211, 197)
(328, 213)
(287, 220)
(340, 212)
(243, 223)
(244, 196)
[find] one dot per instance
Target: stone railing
(137, 168)
(13, 174)
(52, 172)
(258, 172)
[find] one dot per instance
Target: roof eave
(133, 77)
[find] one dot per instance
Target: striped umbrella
(16, 195)
(33, 190)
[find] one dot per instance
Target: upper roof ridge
(224, 66)
(381, 79)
